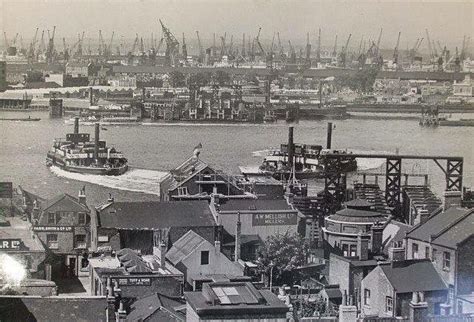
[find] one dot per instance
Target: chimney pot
(163, 255)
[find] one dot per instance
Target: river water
(152, 150)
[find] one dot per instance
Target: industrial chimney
(76, 125)
(329, 137)
(291, 147)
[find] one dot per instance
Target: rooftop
(153, 215)
(156, 307)
(234, 205)
(20, 229)
(356, 215)
(413, 275)
(184, 246)
(446, 228)
(234, 299)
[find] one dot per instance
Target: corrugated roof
(184, 246)
(156, 215)
(254, 204)
(413, 275)
(435, 224)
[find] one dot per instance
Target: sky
(447, 21)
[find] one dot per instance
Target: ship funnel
(329, 137)
(76, 125)
(291, 147)
(96, 141)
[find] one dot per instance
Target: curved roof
(356, 215)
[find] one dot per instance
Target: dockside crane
(201, 51)
(308, 51)
(108, 49)
(281, 52)
(343, 55)
(395, 50)
(31, 49)
(80, 44)
(377, 48)
(223, 40)
(172, 45)
(65, 51)
(430, 49)
(292, 53)
(184, 49)
(50, 51)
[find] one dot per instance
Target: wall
(339, 270)
(218, 263)
(229, 222)
(380, 288)
(430, 297)
(465, 267)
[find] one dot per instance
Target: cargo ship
(78, 154)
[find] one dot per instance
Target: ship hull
(51, 161)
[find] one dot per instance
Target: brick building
(447, 239)
(403, 289)
(355, 227)
(143, 226)
(63, 225)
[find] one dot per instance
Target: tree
(283, 252)
(177, 79)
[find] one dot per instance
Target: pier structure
(335, 180)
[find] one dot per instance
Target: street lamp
(272, 265)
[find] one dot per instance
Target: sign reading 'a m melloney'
(274, 219)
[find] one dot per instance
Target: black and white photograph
(237, 160)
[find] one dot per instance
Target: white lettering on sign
(10, 243)
(52, 228)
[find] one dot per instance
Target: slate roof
(54, 308)
(394, 232)
(413, 275)
(359, 203)
(156, 307)
(447, 228)
(51, 202)
(254, 204)
(184, 246)
(156, 215)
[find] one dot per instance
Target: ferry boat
(106, 120)
(308, 162)
(78, 154)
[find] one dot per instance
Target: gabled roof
(156, 307)
(413, 275)
(184, 246)
(393, 232)
(439, 226)
(51, 202)
(156, 215)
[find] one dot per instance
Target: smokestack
(291, 147)
(329, 138)
(238, 232)
(96, 141)
(91, 96)
(76, 125)
(82, 196)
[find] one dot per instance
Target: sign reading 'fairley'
(274, 219)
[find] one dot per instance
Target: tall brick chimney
(82, 196)
(362, 247)
(163, 254)
(376, 236)
(238, 235)
(452, 199)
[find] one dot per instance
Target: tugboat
(78, 154)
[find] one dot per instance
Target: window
(80, 241)
(389, 304)
(52, 241)
(345, 250)
(433, 255)
(182, 191)
(204, 257)
(414, 251)
(51, 218)
(446, 260)
(353, 250)
(82, 218)
(366, 296)
(427, 252)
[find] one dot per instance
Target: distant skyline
(447, 21)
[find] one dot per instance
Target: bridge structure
(335, 179)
